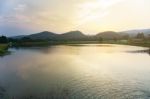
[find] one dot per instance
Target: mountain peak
(43, 35)
(109, 35)
(134, 32)
(77, 32)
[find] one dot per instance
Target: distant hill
(72, 35)
(77, 35)
(133, 33)
(109, 35)
(43, 35)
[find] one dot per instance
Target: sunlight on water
(76, 72)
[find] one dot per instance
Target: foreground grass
(3, 49)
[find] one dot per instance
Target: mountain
(43, 35)
(133, 33)
(109, 35)
(77, 35)
(72, 35)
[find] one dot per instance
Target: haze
(19, 17)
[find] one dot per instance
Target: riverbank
(3, 49)
(136, 43)
(47, 43)
(129, 42)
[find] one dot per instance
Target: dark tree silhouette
(140, 36)
(3, 39)
(26, 39)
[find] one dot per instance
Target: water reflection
(76, 72)
(141, 51)
(2, 92)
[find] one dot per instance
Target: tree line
(4, 39)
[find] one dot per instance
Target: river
(84, 71)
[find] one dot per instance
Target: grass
(142, 43)
(3, 49)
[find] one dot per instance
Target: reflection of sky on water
(147, 51)
(77, 71)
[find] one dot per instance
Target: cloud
(64, 15)
(94, 10)
(20, 8)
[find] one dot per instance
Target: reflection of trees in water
(149, 51)
(53, 94)
(2, 92)
(42, 49)
(141, 51)
(146, 51)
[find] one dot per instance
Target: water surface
(90, 71)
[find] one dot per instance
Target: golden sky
(88, 16)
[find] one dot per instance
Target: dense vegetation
(3, 45)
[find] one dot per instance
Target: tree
(100, 39)
(26, 39)
(115, 39)
(140, 36)
(149, 36)
(125, 36)
(3, 39)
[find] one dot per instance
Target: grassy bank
(141, 43)
(3, 49)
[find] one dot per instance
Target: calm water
(76, 72)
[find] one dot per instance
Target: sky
(23, 17)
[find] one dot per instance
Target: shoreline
(40, 44)
(3, 49)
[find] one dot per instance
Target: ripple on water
(88, 87)
(87, 73)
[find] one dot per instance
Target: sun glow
(95, 10)
(88, 16)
